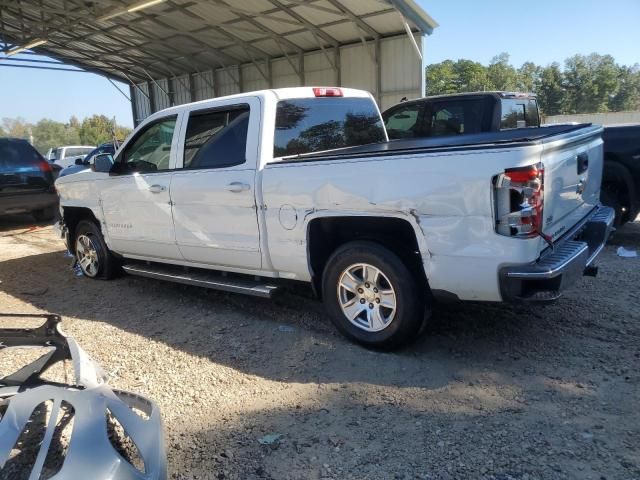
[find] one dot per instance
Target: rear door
(213, 194)
(572, 177)
(135, 198)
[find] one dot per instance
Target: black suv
(26, 181)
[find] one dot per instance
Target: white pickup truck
(241, 193)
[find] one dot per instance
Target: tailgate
(572, 176)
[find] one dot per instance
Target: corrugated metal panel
(204, 85)
(401, 73)
(227, 81)
(283, 73)
(143, 108)
(318, 71)
(161, 98)
(169, 38)
(252, 79)
(357, 67)
(181, 90)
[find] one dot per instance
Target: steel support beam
(134, 106)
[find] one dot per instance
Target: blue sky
(542, 31)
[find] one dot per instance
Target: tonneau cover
(477, 140)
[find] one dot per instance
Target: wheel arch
(325, 232)
(617, 172)
(72, 216)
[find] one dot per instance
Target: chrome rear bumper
(561, 266)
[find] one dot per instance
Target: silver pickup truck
(243, 192)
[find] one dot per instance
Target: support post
(240, 82)
(171, 93)
(192, 88)
(134, 105)
(338, 66)
(152, 98)
(378, 67)
(301, 68)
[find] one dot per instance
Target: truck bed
(520, 136)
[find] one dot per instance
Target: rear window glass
(519, 113)
(315, 124)
(18, 154)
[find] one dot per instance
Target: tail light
(45, 166)
(327, 92)
(519, 201)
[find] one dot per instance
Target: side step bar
(202, 278)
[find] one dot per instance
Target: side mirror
(102, 163)
(79, 161)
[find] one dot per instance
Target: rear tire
(92, 254)
(372, 297)
(44, 214)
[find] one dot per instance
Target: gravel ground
(490, 392)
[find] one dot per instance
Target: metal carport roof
(144, 41)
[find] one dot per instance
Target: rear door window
(315, 124)
(455, 117)
(402, 122)
(216, 139)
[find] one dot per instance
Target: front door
(214, 206)
(136, 200)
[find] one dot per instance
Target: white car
(67, 155)
(241, 193)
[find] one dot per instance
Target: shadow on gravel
(293, 332)
(13, 222)
(350, 436)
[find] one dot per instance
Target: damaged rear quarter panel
(445, 196)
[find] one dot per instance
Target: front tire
(92, 254)
(372, 296)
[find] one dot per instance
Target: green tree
(628, 95)
(590, 81)
(442, 78)
(470, 76)
(550, 90)
(50, 134)
(15, 127)
(95, 130)
(528, 79)
(501, 74)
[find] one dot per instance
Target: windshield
(55, 154)
(76, 151)
(316, 124)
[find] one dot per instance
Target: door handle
(157, 188)
(237, 187)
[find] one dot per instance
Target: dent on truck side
(446, 197)
(81, 193)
